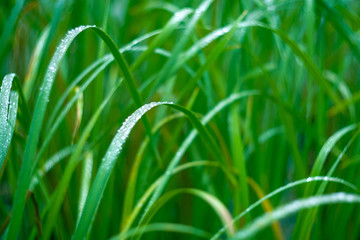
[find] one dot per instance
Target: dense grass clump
(180, 119)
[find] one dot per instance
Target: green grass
(179, 119)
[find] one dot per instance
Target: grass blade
(164, 227)
(286, 187)
(216, 204)
(9, 27)
(293, 207)
(34, 133)
(8, 110)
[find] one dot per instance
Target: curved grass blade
(309, 64)
(344, 30)
(87, 166)
(293, 207)
(103, 174)
(130, 83)
(114, 150)
(214, 54)
(57, 198)
(187, 142)
(283, 188)
(164, 227)
(169, 65)
(34, 65)
(34, 133)
(55, 125)
(41, 104)
(345, 92)
(278, 233)
(325, 150)
(8, 111)
(56, 17)
(165, 33)
(215, 203)
(50, 163)
(131, 217)
(73, 84)
(305, 219)
(132, 180)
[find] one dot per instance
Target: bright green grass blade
(293, 207)
(237, 152)
(8, 111)
(164, 227)
(286, 187)
(9, 27)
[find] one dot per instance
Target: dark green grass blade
(9, 28)
(164, 227)
(344, 30)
